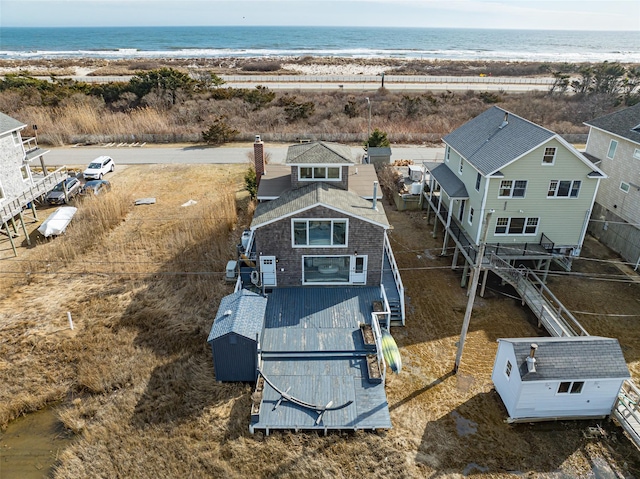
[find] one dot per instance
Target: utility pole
(472, 290)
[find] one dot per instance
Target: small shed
(542, 379)
(379, 155)
(235, 335)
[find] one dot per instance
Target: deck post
(24, 228)
(454, 263)
(13, 245)
(546, 271)
(465, 272)
(435, 224)
(13, 224)
(34, 211)
(484, 282)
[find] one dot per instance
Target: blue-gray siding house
(235, 336)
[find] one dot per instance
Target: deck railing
(377, 335)
(39, 188)
(396, 275)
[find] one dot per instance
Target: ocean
(349, 42)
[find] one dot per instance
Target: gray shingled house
(558, 378)
(235, 335)
(614, 145)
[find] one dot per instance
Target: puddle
(30, 445)
(464, 427)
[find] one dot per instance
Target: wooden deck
(558, 321)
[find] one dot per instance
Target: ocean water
(350, 42)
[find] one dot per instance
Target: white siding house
(542, 379)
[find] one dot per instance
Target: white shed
(542, 379)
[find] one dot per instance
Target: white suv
(98, 167)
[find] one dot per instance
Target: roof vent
(531, 360)
(228, 312)
(505, 122)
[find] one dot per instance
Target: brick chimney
(258, 158)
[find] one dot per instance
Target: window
(569, 387)
(478, 180)
(316, 233)
(512, 188)
(549, 156)
(1, 192)
(471, 216)
(564, 189)
(624, 187)
(461, 165)
(327, 269)
(16, 137)
(517, 226)
(24, 169)
(328, 173)
(613, 145)
(636, 153)
(507, 369)
(446, 155)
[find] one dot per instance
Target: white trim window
(636, 153)
(624, 186)
(24, 170)
(16, 138)
(470, 218)
(447, 154)
(1, 192)
(319, 233)
(549, 156)
(319, 173)
(478, 181)
(570, 387)
(564, 189)
(461, 166)
(516, 226)
(611, 152)
(512, 189)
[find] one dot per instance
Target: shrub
(251, 183)
(219, 132)
(261, 66)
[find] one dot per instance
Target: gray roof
(318, 194)
(319, 152)
(624, 123)
(9, 124)
(488, 146)
(241, 313)
(571, 358)
(448, 180)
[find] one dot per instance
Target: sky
(517, 14)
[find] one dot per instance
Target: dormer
(319, 161)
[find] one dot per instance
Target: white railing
(626, 410)
(30, 144)
(14, 206)
(386, 308)
(377, 335)
(396, 275)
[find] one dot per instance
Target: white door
(358, 269)
(268, 270)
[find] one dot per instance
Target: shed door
(268, 270)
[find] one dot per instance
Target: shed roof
(319, 152)
(447, 179)
(571, 358)
(9, 124)
(242, 313)
(318, 194)
(495, 138)
(624, 123)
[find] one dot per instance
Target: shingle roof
(9, 124)
(319, 152)
(624, 123)
(316, 194)
(241, 313)
(571, 358)
(448, 181)
(488, 146)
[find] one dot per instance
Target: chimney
(375, 194)
(258, 158)
(505, 122)
(531, 360)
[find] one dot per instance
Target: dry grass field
(134, 386)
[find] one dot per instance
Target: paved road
(204, 155)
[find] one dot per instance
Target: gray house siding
(342, 184)
(11, 160)
(234, 358)
(274, 239)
